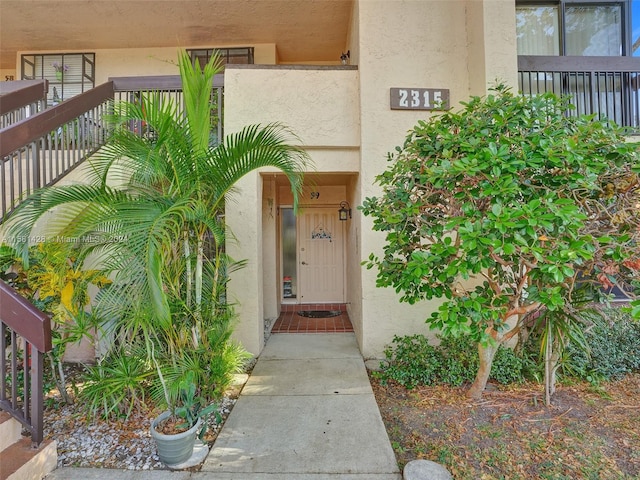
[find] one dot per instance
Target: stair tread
(10, 430)
(17, 455)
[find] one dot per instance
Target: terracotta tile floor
(290, 322)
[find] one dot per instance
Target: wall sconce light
(345, 211)
(345, 56)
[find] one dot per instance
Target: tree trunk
(60, 379)
(551, 369)
(547, 364)
(486, 354)
(551, 364)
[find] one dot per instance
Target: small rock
(425, 470)
(375, 364)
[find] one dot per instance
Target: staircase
(18, 459)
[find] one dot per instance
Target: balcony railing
(19, 100)
(168, 87)
(39, 149)
(608, 87)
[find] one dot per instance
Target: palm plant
(152, 213)
(562, 326)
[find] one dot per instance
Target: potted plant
(176, 430)
(60, 69)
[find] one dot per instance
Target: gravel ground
(125, 444)
(111, 444)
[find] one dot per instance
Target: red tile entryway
(290, 322)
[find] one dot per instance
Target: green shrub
(614, 344)
(508, 367)
(460, 360)
(116, 385)
(413, 361)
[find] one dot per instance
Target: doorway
(313, 256)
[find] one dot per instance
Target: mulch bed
(510, 433)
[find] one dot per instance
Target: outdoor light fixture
(345, 211)
(345, 56)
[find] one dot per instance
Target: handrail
(556, 63)
(40, 124)
(38, 151)
(19, 318)
(21, 99)
(159, 82)
(17, 94)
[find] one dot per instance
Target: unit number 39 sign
(419, 98)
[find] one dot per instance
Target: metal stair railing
(25, 336)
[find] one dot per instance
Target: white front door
(320, 256)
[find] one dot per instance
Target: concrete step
(10, 431)
(22, 462)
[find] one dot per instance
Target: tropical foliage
(506, 209)
(152, 215)
(57, 284)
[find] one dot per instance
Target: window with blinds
(237, 55)
(69, 74)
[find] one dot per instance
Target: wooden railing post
(37, 404)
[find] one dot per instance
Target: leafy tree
(503, 209)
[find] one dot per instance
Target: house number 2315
(419, 98)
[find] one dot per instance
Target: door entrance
(319, 257)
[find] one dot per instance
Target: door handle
(304, 263)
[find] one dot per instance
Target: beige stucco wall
(491, 31)
(416, 44)
(320, 106)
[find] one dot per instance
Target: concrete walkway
(306, 413)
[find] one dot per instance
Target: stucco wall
(413, 44)
(320, 106)
(491, 31)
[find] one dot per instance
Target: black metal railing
(25, 336)
(608, 87)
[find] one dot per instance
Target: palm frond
(197, 85)
(252, 148)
